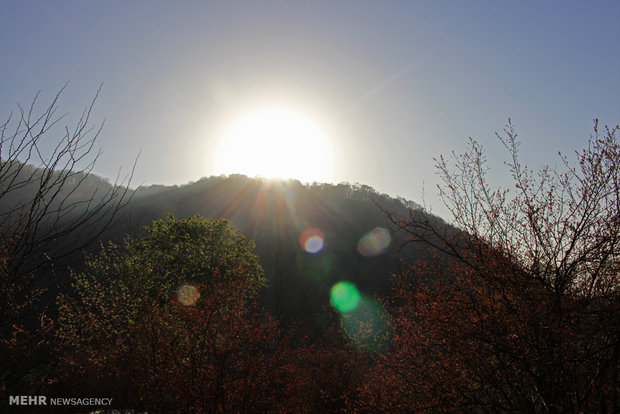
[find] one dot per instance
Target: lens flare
(311, 240)
(374, 242)
(345, 297)
(188, 295)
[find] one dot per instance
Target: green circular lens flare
(345, 297)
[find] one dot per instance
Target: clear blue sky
(395, 83)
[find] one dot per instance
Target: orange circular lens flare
(188, 295)
(311, 240)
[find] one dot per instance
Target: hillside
(274, 213)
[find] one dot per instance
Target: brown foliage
(48, 212)
(520, 310)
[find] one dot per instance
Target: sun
(275, 142)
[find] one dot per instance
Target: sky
(392, 84)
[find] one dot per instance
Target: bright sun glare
(275, 142)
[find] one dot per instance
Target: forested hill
(275, 213)
(358, 241)
(486, 317)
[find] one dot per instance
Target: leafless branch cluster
(51, 207)
(524, 300)
(48, 197)
(561, 227)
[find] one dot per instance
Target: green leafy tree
(170, 321)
